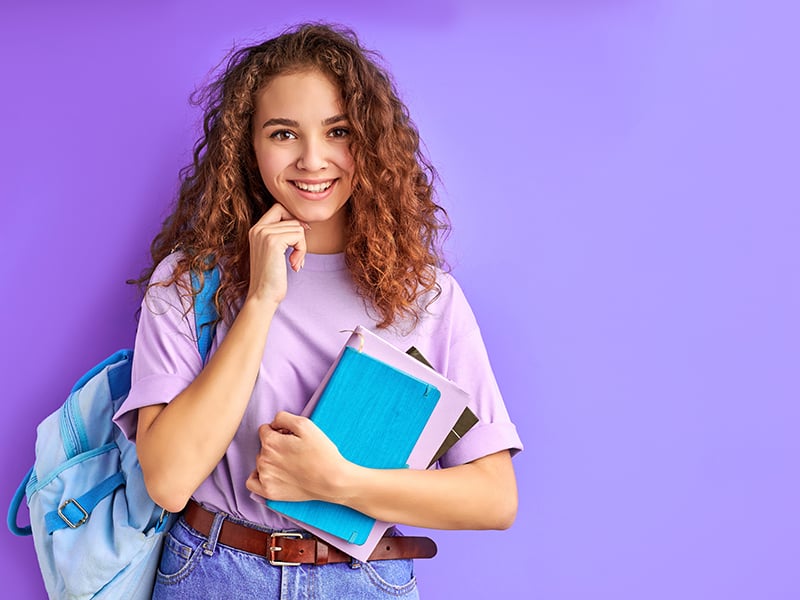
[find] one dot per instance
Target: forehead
(308, 92)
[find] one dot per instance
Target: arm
(180, 443)
(298, 462)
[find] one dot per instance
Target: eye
(339, 132)
(282, 135)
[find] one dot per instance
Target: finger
(280, 238)
(276, 213)
(282, 431)
(291, 233)
(288, 422)
(279, 227)
(285, 211)
(261, 232)
(268, 224)
(298, 256)
(253, 483)
(264, 431)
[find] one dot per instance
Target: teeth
(315, 187)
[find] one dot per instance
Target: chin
(316, 214)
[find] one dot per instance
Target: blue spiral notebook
(374, 414)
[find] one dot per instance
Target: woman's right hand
(270, 237)
(179, 444)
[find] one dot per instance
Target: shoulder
(165, 290)
(165, 270)
(450, 293)
(448, 304)
(448, 284)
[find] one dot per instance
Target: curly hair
(394, 224)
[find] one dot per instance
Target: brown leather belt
(292, 549)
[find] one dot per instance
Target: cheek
(271, 164)
(345, 160)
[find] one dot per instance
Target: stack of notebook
(384, 409)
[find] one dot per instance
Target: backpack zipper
(73, 431)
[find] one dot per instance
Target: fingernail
(306, 226)
(303, 263)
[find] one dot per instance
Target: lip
(314, 196)
(314, 181)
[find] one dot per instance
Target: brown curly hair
(394, 225)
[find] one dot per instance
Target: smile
(313, 187)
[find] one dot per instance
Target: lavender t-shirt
(304, 338)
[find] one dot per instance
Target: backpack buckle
(67, 520)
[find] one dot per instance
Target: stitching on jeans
(381, 583)
(184, 571)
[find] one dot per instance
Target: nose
(312, 155)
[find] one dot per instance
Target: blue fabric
(96, 531)
(193, 566)
(73, 511)
(205, 313)
(88, 470)
(16, 502)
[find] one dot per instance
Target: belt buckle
(272, 549)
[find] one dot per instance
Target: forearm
(180, 443)
(477, 495)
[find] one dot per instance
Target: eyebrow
(290, 123)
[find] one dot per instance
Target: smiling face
(301, 139)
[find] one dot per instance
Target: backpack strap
(75, 511)
(205, 312)
(13, 509)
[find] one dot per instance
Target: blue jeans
(194, 567)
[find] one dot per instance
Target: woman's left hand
(296, 462)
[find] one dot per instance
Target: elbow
(506, 512)
(502, 511)
(167, 497)
(163, 488)
(163, 482)
(498, 514)
(500, 502)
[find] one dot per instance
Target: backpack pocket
(86, 541)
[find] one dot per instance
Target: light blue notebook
(374, 414)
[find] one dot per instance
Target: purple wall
(622, 178)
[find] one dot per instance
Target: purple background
(622, 176)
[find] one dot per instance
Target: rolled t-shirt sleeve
(469, 367)
(165, 359)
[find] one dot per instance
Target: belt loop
(216, 526)
(321, 557)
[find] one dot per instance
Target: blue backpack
(97, 533)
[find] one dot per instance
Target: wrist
(346, 484)
(260, 304)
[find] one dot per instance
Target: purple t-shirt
(304, 339)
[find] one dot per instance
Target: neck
(326, 237)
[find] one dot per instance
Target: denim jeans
(194, 567)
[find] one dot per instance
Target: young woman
(310, 195)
